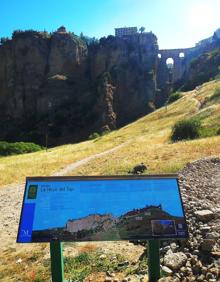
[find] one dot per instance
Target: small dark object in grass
(139, 169)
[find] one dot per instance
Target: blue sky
(177, 23)
(53, 209)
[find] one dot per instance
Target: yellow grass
(160, 158)
(148, 142)
(14, 169)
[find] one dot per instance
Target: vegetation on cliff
(202, 69)
(173, 97)
(17, 148)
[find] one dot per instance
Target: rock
(173, 246)
(209, 276)
(175, 260)
(215, 254)
(110, 274)
(215, 271)
(103, 256)
(166, 270)
(197, 268)
(166, 248)
(205, 229)
(166, 279)
(195, 252)
(201, 278)
(207, 245)
(204, 215)
(213, 235)
(19, 261)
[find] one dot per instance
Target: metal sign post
(154, 260)
(56, 254)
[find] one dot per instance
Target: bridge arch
(170, 63)
(179, 56)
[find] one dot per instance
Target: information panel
(101, 209)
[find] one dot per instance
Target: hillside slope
(146, 140)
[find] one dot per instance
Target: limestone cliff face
(55, 84)
(129, 66)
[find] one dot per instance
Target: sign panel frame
(156, 227)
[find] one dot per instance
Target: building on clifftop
(124, 31)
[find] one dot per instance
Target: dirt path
(11, 201)
(84, 161)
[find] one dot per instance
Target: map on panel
(101, 209)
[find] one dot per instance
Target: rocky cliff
(202, 69)
(56, 85)
(92, 222)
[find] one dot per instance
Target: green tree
(142, 29)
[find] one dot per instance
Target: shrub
(7, 149)
(186, 129)
(3, 40)
(105, 132)
(93, 136)
(215, 95)
(173, 97)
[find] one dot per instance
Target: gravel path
(10, 208)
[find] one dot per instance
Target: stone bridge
(171, 68)
(180, 58)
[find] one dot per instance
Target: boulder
(204, 215)
(175, 260)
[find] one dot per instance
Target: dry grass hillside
(146, 140)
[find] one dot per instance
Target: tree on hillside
(3, 40)
(142, 29)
